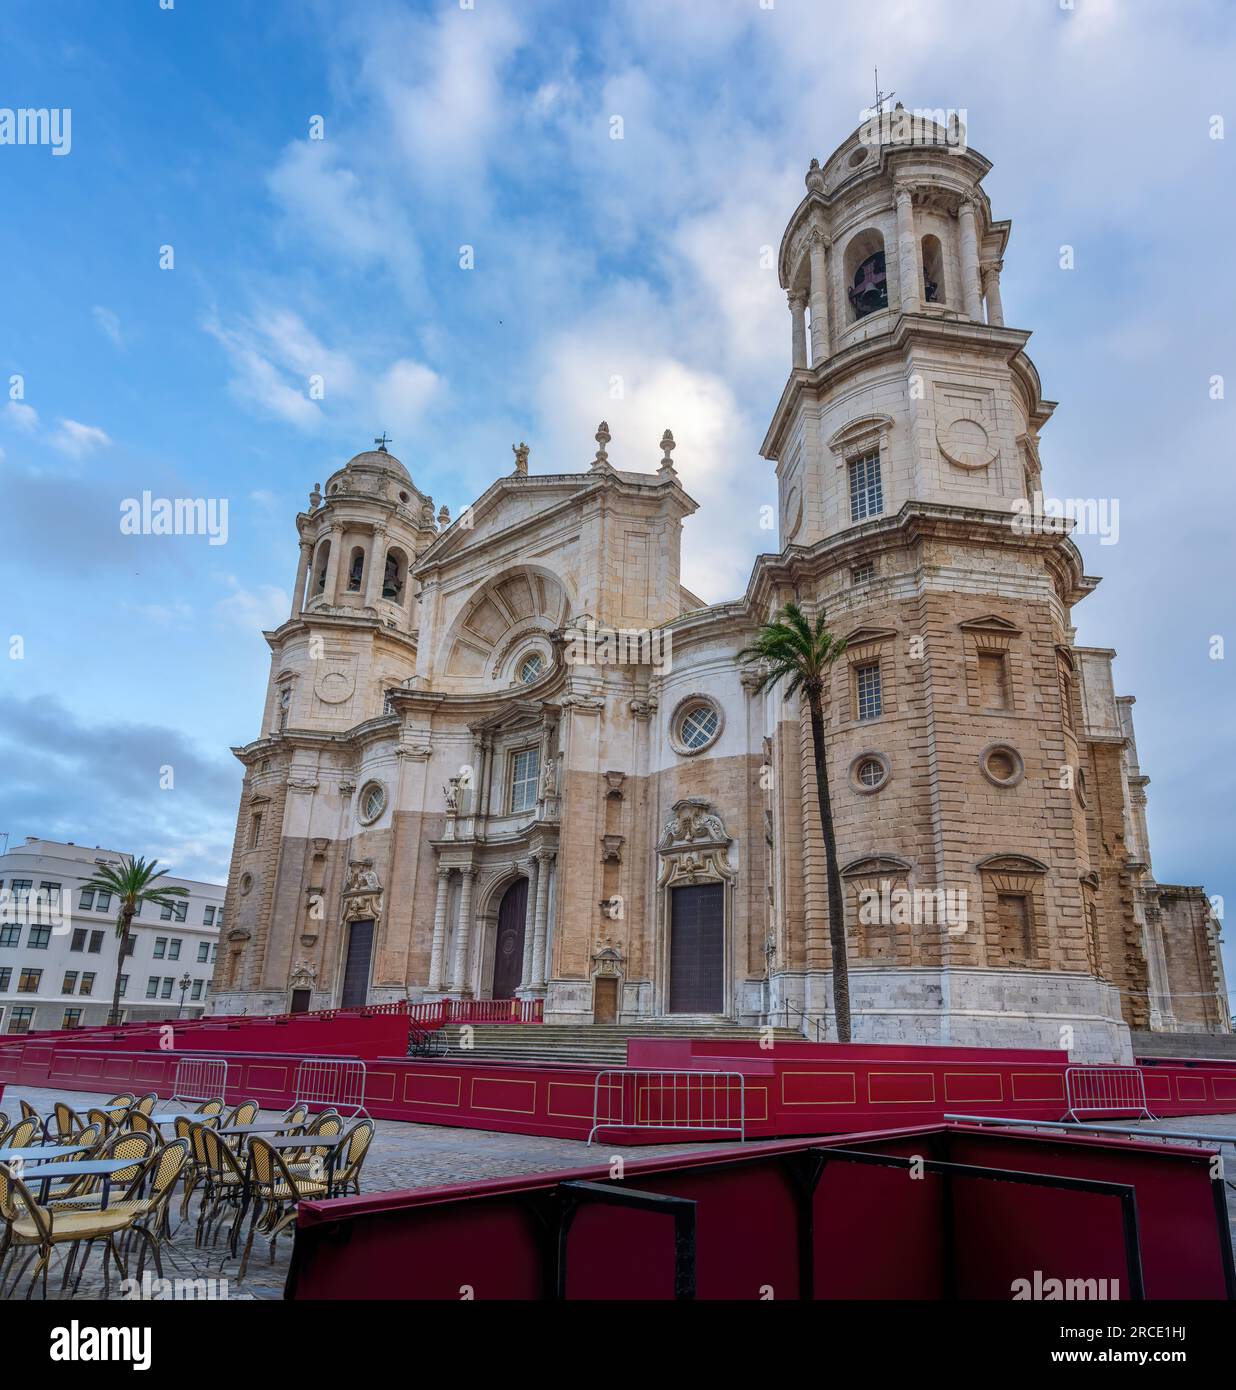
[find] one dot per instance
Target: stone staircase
(597, 1044)
(1217, 1045)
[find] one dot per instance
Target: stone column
(375, 566)
(463, 932)
(335, 536)
(539, 921)
(302, 575)
(991, 290)
(436, 963)
(819, 299)
(909, 261)
(798, 317)
(971, 294)
(534, 874)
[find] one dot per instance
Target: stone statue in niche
(451, 792)
(549, 778)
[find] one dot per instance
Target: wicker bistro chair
(88, 1191)
(139, 1122)
(196, 1168)
(224, 1186)
(4, 1123)
(295, 1115)
(274, 1191)
(352, 1160)
(215, 1106)
(328, 1122)
(145, 1104)
(243, 1114)
(24, 1133)
(69, 1124)
(27, 1225)
(104, 1119)
(121, 1101)
(28, 1112)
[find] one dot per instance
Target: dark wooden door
(605, 999)
(356, 966)
(300, 1001)
(509, 945)
(697, 949)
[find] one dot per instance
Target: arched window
(395, 575)
(356, 569)
(866, 277)
(933, 270)
(321, 565)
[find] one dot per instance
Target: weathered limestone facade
(462, 788)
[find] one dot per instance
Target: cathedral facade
(510, 756)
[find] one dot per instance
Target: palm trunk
(126, 921)
(836, 909)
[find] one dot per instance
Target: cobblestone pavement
(404, 1156)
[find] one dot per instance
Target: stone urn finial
(815, 178)
(444, 516)
(667, 470)
(602, 438)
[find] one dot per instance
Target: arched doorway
(509, 940)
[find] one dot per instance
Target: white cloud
(402, 395)
(78, 440)
(109, 324)
(253, 610)
(22, 417)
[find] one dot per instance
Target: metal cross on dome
(881, 97)
(382, 441)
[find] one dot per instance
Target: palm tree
(133, 883)
(789, 648)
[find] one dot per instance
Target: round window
(869, 772)
(371, 803)
(530, 668)
(1002, 765)
(246, 885)
(698, 727)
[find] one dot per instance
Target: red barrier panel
(819, 1219)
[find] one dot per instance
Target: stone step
(594, 1044)
(1219, 1045)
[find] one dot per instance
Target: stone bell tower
(905, 443)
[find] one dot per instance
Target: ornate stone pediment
(362, 895)
(692, 822)
(303, 976)
(694, 845)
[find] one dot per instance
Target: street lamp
(184, 982)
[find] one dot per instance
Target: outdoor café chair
(141, 1123)
(244, 1114)
(22, 1135)
(4, 1123)
(196, 1167)
(27, 1225)
(224, 1187)
(328, 1122)
(295, 1115)
(274, 1191)
(87, 1191)
(102, 1118)
(348, 1168)
(145, 1105)
(28, 1112)
(215, 1106)
(69, 1124)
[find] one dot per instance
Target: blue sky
(595, 258)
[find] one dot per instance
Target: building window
(39, 938)
(129, 946)
(868, 695)
(173, 948)
(87, 985)
(208, 917)
(6, 978)
(863, 574)
(165, 913)
(70, 982)
(180, 910)
(285, 707)
(1066, 697)
(10, 934)
(1002, 765)
(197, 988)
(525, 775)
(869, 772)
(214, 953)
(933, 270)
(993, 680)
(255, 834)
(371, 803)
(698, 726)
(160, 947)
(103, 902)
(1013, 918)
(20, 889)
(165, 991)
(356, 569)
(203, 952)
(152, 987)
(530, 668)
(86, 901)
(79, 939)
(28, 980)
(96, 943)
(20, 1020)
(124, 985)
(72, 1018)
(866, 493)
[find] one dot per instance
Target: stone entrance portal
(509, 940)
(697, 949)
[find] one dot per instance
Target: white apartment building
(59, 949)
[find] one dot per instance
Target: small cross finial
(382, 441)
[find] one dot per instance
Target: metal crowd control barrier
(332, 1081)
(200, 1078)
(1111, 1089)
(636, 1098)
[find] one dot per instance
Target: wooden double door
(509, 940)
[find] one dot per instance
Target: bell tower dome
(905, 384)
